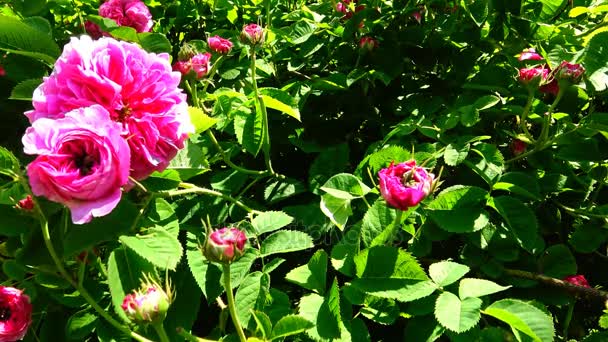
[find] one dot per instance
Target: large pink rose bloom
(132, 13)
(83, 161)
(15, 314)
(138, 89)
(405, 185)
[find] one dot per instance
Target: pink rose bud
(200, 64)
(518, 147)
(253, 34)
(405, 185)
(341, 7)
(368, 43)
(2, 71)
(149, 304)
(219, 44)
(26, 204)
(132, 13)
(225, 245)
(551, 87)
(578, 280)
(83, 161)
(532, 77)
(184, 67)
(530, 55)
(15, 314)
(569, 73)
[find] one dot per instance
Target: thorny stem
(231, 305)
(523, 124)
(211, 74)
(578, 290)
(260, 101)
(226, 159)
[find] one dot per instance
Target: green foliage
(455, 314)
(285, 241)
(313, 275)
(523, 317)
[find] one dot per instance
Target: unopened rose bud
(529, 55)
(532, 77)
(149, 304)
(253, 34)
(186, 52)
(93, 29)
(26, 204)
(225, 245)
(200, 64)
(518, 147)
(219, 44)
(578, 280)
(2, 71)
(368, 44)
(405, 185)
(569, 73)
(184, 67)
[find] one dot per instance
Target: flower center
(84, 163)
(122, 115)
(5, 313)
(408, 178)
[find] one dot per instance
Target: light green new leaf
(313, 275)
(472, 287)
(157, 246)
(523, 317)
(20, 38)
(270, 221)
(455, 314)
(336, 209)
(280, 100)
(345, 186)
(285, 241)
(200, 119)
(445, 273)
(290, 325)
(247, 295)
(376, 219)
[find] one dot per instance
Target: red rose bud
(26, 204)
(368, 43)
(2, 71)
(578, 280)
(149, 304)
(15, 314)
(532, 77)
(200, 64)
(94, 30)
(184, 67)
(405, 185)
(252, 34)
(551, 87)
(569, 73)
(219, 44)
(341, 7)
(225, 245)
(529, 55)
(518, 147)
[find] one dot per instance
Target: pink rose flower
(368, 43)
(82, 161)
(219, 44)
(225, 245)
(578, 280)
(15, 314)
(252, 34)
(569, 72)
(200, 64)
(138, 88)
(405, 185)
(132, 13)
(532, 77)
(529, 55)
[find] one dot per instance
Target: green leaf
(207, 275)
(383, 158)
(478, 11)
(157, 246)
(200, 119)
(423, 329)
(523, 317)
(125, 33)
(594, 59)
(270, 221)
(489, 164)
(125, 269)
(9, 165)
(330, 161)
(519, 183)
(285, 241)
(345, 186)
(313, 275)
(189, 161)
(282, 189)
(249, 130)
(80, 238)
(336, 209)
(459, 209)
(80, 325)
(20, 38)
(247, 296)
(300, 32)
(472, 287)
(14, 223)
(519, 218)
(184, 309)
(290, 325)
(315, 309)
(557, 262)
(240, 268)
(455, 154)
(376, 219)
(154, 42)
(380, 310)
(25, 89)
(264, 325)
(455, 314)
(280, 100)
(550, 8)
(403, 290)
(445, 273)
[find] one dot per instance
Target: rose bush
(411, 170)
